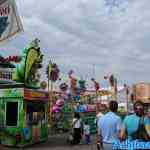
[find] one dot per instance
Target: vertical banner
(10, 22)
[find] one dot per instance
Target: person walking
(77, 128)
(86, 132)
(134, 126)
(109, 126)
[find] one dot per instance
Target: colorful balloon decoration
(96, 84)
(52, 72)
(82, 85)
(63, 87)
(60, 102)
(58, 106)
(43, 85)
(73, 86)
(56, 109)
(81, 108)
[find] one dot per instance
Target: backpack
(140, 133)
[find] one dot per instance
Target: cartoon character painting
(27, 71)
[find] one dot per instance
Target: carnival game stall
(62, 112)
(11, 99)
(24, 115)
(11, 104)
(90, 104)
(23, 106)
(36, 118)
(11, 113)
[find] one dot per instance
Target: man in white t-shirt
(77, 128)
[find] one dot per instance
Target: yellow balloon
(43, 85)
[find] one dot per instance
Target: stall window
(11, 113)
(35, 113)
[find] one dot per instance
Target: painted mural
(11, 119)
(23, 108)
(31, 61)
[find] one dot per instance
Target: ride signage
(15, 59)
(35, 95)
(10, 23)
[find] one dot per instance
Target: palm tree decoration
(52, 71)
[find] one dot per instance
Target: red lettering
(5, 11)
(10, 59)
(6, 59)
(15, 58)
(2, 59)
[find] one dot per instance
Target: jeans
(87, 139)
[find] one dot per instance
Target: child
(86, 132)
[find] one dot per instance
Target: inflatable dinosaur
(31, 61)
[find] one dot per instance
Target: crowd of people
(111, 128)
(134, 127)
(80, 130)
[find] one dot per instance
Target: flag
(10, 23)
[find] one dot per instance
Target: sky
(93, 37)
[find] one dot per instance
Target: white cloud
(80, 33)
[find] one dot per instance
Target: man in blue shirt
(109, 126)
(131, 122)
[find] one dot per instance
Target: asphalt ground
(58, 142)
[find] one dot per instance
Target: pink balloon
(60, 102)
(55, 109)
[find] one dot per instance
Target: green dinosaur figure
(31, 61)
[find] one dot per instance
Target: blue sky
(92, 37)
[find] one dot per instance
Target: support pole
(51, 101)
(48, 100)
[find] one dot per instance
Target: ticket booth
(23, 115)
(11, 114)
